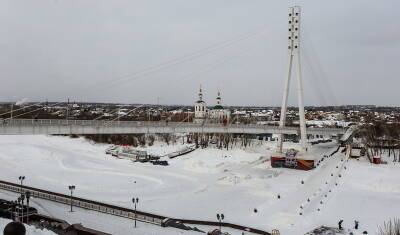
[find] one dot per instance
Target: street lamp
(71, 188)
(14, 214)
(135, 201)
(27, 195)
(220, 218)
(21, 179)
(19, 202)
(22, 213)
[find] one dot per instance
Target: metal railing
(113, 209)
(83, 203)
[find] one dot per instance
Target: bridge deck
(57, 126)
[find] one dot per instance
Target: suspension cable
(319, 72)
(112, 120)
(112, 112)
(179, 60)
(15, 110)
(32, 111)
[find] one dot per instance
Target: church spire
(200, 94)
(219, 98)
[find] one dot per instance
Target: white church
(217, 114)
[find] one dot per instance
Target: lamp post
(19, 202)
(27, 195)
(135, 201)
(21, 179)
(22, 207)
(220, 218)
(14, 215)
(71, 188)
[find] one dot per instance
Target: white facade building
(200, 109)
(215, 115)
(218, 113)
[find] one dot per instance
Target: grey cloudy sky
(92, 50)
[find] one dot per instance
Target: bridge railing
(64, 122)
(105, 123)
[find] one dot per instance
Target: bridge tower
(293, 60)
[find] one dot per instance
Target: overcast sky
(135, 51)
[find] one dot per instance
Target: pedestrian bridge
(56, 126)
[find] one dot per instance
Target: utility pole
(158, 107)
(67, 114)
(12, 109)
(293, 56)
(118, 114)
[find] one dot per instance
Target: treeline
(224, 141)
(221, 141)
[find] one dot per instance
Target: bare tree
(381, 136)
(391, 227)
(134, 141)
(142, 140)
(151, 140)
(166, 137)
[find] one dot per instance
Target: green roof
(218, 107)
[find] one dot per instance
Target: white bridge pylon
(293, 58)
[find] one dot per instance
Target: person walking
(356, 224)
(340, 224)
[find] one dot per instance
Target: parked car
(161, 163)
